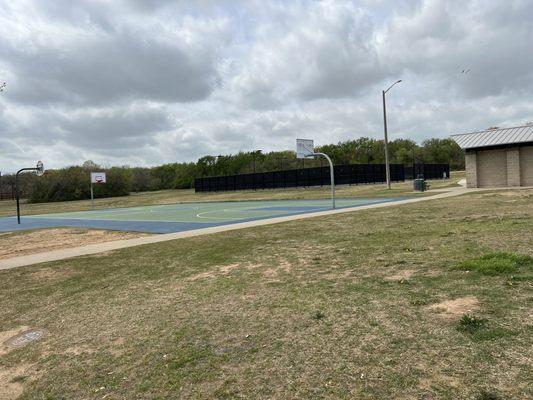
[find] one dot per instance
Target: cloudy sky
(142, 82)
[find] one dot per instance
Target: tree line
(72, 183)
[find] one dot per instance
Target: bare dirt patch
(226, 269)
(215, 271)
(457, 307)
(78, 350)
(202, 275)
(439, 380)
(402, 275)
(275, 273)
(24, 243)
(11, 387)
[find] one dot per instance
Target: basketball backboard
(98, 177)
(304, 148)
(40, 168)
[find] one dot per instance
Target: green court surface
(183, 216)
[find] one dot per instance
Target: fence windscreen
(350, 174)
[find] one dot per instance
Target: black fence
(353, 174)
(427, 171)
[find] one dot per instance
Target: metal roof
(495, 137)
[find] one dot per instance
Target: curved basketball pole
(39, 169)
(332, 176)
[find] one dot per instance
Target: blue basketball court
(180, 217)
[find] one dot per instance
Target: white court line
(201, 215)
(284, 212)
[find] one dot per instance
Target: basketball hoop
(40, 168)
(39, 171)
(96, 178)
(305, 148)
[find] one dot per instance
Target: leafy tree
(73, 183)
(442, 151)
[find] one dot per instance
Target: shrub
(470, 324)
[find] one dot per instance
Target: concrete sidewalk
(122, 244)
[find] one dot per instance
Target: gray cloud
(125, 68)
(308, 51)
(124, 128)
(146, 82)
(79, 62)
(440, 39)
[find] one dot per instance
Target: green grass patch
(479, 329)
(471, 324)
(318, 316)
(493, 334)
(497, 263)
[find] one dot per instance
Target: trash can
(419, 185)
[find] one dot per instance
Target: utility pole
(387, 164)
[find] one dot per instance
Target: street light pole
(387, 164)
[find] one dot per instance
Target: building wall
(512, 166)
(492, 168)
(526, 166)
(471, 169)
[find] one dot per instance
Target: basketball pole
(40, 171)
(305, 149)
(332, 176)
(92, 195)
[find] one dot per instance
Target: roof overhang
(495, 137)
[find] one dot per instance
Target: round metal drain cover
(23, 338)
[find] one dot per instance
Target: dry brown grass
(288, 311)
(14, 244)
(10, 387)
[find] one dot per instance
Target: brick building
(498, 157)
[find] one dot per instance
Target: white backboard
(98, 177)
(40, 168)
(304, 148)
